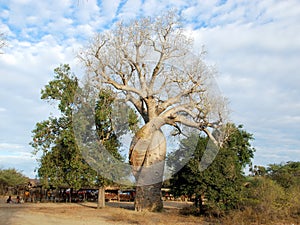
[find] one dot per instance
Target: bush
(266, 196)
(265, 202)
(293, 195)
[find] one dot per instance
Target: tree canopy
(285, 174)
(222, 181)
(62, 162)
(11, 178)
(150, 62)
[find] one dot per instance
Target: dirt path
(86, 214)
(49, 214)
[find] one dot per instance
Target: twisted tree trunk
(147, 156)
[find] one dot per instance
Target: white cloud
(17, 156)
(25, 68)
(109, 8)
(86, 11)
(8, 146)
(258, 63)
(130, 10)
(24, 164)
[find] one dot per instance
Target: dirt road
(87, 214)
(49, 214)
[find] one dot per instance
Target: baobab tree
(148, 63)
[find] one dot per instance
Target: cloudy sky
(255, 46)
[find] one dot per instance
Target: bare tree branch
(151, 64)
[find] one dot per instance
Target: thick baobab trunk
(147, 156)
(148, 198)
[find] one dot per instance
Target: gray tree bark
(148, 153)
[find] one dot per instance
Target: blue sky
(255, 46)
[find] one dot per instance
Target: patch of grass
(151, 218)
(246, 216)
(191, 210)
(251, 216)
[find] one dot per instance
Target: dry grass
(149, 218)
(251, 217)
(248, 216)
(87, 214)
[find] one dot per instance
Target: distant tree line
(10, 180)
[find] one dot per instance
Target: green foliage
(61, 89)
(257, 170)
(271, 196)
(239, 143)
(62, 162)
(124, 118)
(293, 196)
(105, 130)
(221, 183)
(100, 148)
(11, 178)
(264, 194)
(287, 175)
(265, 202)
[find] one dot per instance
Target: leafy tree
(148, 63)
(257, 170)
(265, 199)
(285, 174)
(221, 183)
(275, 195)
(11, 178)
(62, 162)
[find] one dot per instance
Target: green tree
(221, 183)
(11, 178)
(257, 170)
(265, 199)
(62, 162)
(285, 174)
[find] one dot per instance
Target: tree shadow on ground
(122, 205)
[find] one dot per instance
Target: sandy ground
(87, 214)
